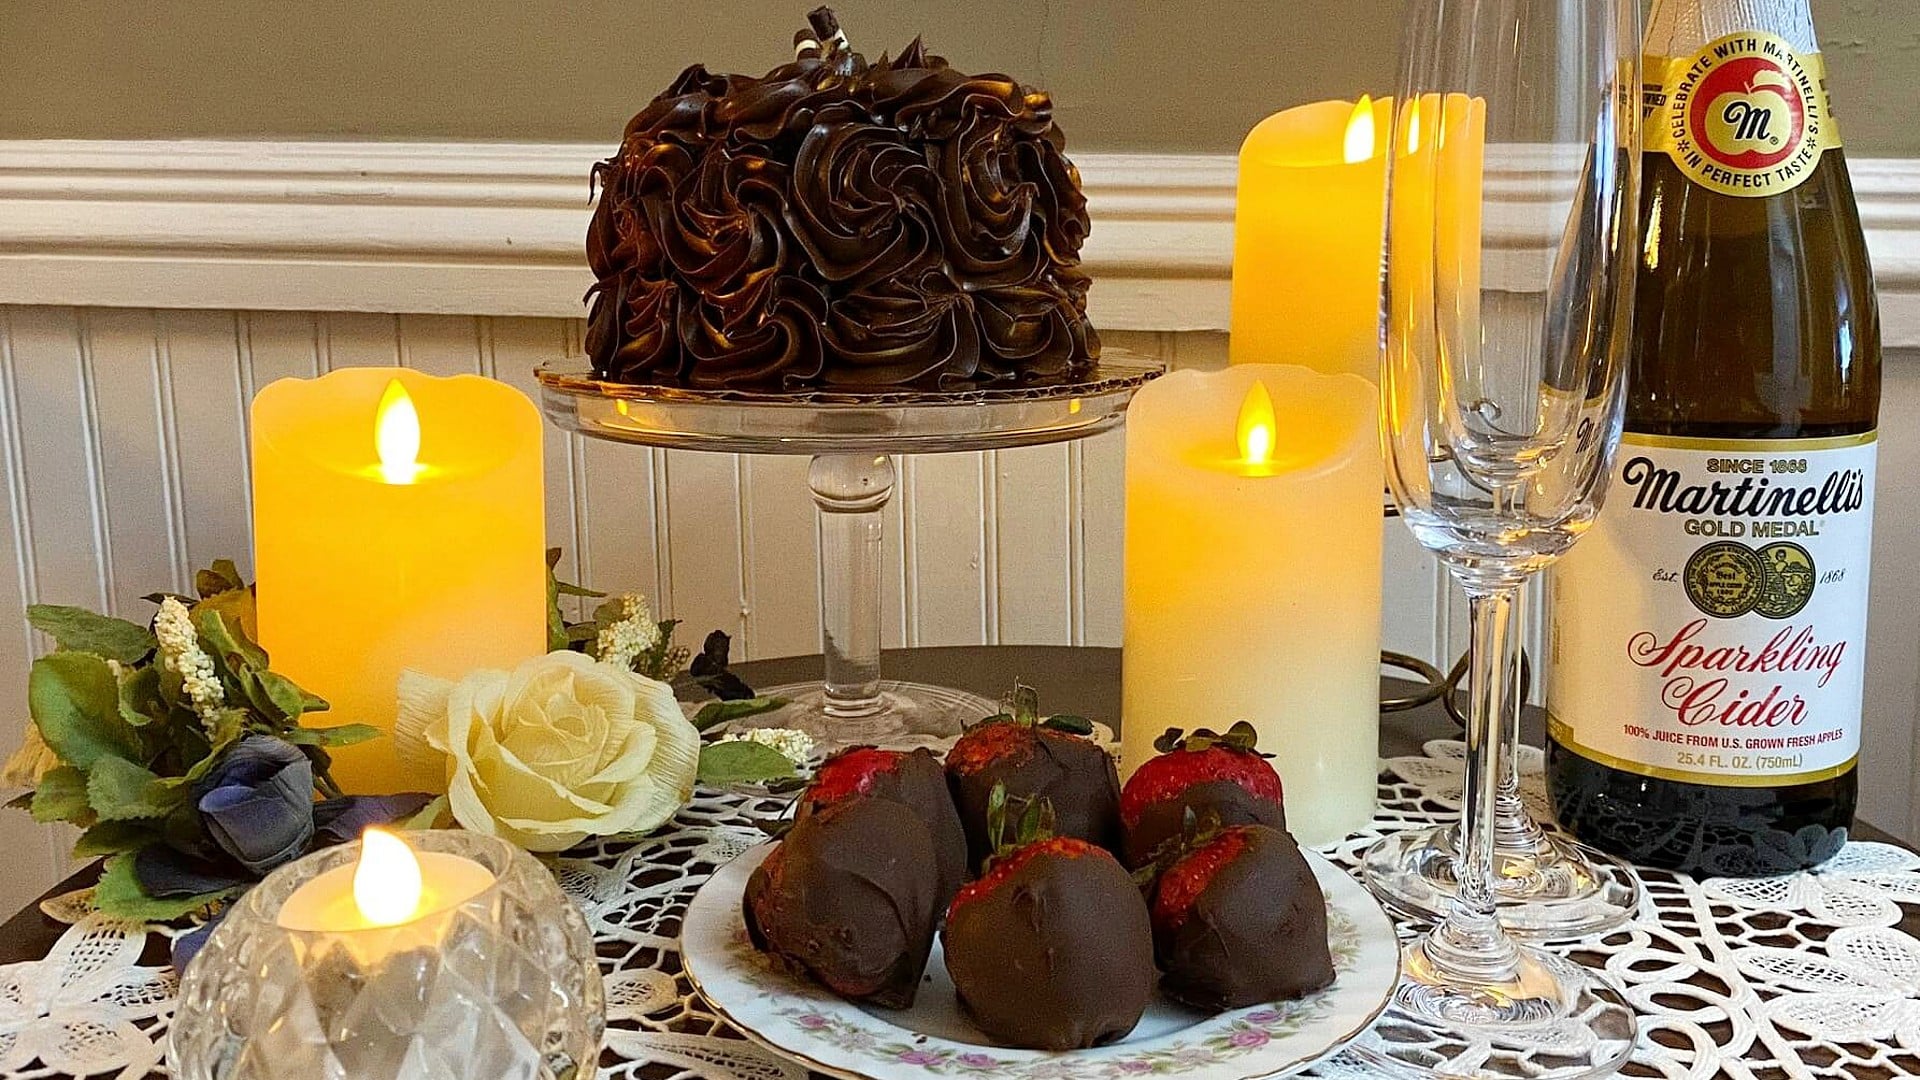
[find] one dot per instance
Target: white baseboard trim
(497, 229)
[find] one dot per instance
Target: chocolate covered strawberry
(915, 781)
(1218, 777)
(1051, 949)
(1035, 758)
(849, 899)
(1239, 919)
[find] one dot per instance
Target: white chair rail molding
(149, 289)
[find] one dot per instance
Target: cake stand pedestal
(852, 440)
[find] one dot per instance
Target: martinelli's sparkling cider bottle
(1709, 633)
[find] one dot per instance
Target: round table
(1084, 680)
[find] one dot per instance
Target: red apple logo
(1747, 114)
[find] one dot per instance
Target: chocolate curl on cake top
(840, 225)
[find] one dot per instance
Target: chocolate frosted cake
(843, 226)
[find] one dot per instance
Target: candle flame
(396, 435)
(386, 884)
(1359, 146)
(1256, 426)
(1413, 126)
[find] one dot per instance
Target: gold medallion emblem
(1788, 581)
(1724, 579)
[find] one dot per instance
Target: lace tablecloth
(1800, 977)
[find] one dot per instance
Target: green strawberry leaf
(75, 699)
(721, 712)
(119, 790)
(119, 895)
(80, 630)
(61, 796)
(1026, 704)
(1072, 725)
(742, 762)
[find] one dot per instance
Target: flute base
(1551, 890)
(1544, 1018)
(905, 717)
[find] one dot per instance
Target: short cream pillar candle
(1253, 557)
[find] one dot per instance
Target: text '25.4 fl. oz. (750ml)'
(1709, 634)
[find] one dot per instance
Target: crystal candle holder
(503, 985)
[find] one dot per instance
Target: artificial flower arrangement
(186, 762)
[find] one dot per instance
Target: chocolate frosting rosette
(844, 226)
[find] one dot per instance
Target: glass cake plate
(852, 439)
(800, 1020)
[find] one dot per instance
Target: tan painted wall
(1127, 74)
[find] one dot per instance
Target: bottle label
(1746, 115)
(1711, 625)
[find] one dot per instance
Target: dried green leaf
(81, 630)
(115, 838)
(714, 713)
(222, 577)
(119, 895)
(119, 790)
(341, 735)
(61, 796)
(75, 699)
(742, 762)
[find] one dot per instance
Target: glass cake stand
(852, 439)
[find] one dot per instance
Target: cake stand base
(907, 716)
(852, 439)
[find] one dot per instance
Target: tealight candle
(393, 889)
(443, 954)
(399, 523)
(1308, 220)
(1253, 557)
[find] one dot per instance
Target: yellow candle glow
(1253, 548)
(387, 900)
(1307, 231)
(399, 522)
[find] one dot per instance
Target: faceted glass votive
(503, 985)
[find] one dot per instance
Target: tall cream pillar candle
(1253, 576)
(398, 523)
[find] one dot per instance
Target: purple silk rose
(257, 804)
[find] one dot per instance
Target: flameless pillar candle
(1253, 576)
(398, 523)
(1306, 247)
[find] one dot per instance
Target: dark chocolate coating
(920, 785)
(1257, 933)
(1059, 957)
(1074, 774)
(840, 225)
(1223, 799)
(848, 900)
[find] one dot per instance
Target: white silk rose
(559, 749)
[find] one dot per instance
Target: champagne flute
(1509, 269)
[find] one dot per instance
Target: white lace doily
(1799, 977)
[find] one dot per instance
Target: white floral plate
(800, 1020)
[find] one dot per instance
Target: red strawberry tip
(852, 772)
(1182, 885)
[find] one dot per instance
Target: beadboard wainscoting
(147, 290)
